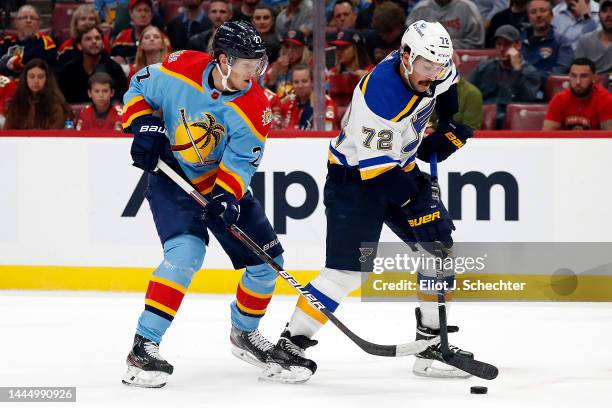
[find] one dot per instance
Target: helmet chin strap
(407, 71)
(224, 78)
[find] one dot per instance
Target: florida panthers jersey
(217, 138)
(386, 120)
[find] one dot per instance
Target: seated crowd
(553, 57)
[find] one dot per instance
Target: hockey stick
(399, 350)
(467, 364)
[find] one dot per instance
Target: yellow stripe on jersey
(364, 84)
(183, 78)
(247, 121)
(404, 111)
(367, 174)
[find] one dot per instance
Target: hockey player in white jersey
(373, 179)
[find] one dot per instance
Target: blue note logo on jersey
(198, 139)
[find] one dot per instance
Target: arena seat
(341, 88)
(489, 112)
(523, 116)
(77, 108)
(62, 14)
(470, 58)
(171, 9)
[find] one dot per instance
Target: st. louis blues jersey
(218, 139)
(384, 125)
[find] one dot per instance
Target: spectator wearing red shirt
(101, 113)
(7, 90)
(351, 55)
(584, 106)
(297, 108)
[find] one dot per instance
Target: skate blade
(248, 357)
(136, 377)
(277, 374)
(425, 368)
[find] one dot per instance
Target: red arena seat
(489, 113)
(471, 58)
(558, 83)
(341, 88)
(62, 14)
(522, 116)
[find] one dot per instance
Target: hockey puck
(478, 390)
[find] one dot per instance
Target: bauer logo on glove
(450, 137)
(424, 219)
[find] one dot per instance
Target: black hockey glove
(149, 139)
(429, 219)
(450, 137)
(222, 210)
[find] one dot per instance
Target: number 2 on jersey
(385, 138)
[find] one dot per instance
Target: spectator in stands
(344, 15)
(461, 19)
(152, 48)
(541, 47)
(102, 113)
(297, 107)
(470, 102)
(365, 15)
(508, 78)
(574, 18)
(84, 15)
(388, 28)
(219, 12)
(293, 52)
(17, 50)
(38, 103)
(597, 45)
(191, 21)
(246, 10)
(107, 10)
(586, 105)
(515, 15)
(263, 21)
(7, 90)
(124, 44)
(74, 76)
(489, 8)
(297, 16)
(124, 17)
(351, 55)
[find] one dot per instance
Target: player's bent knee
(263, 272)
(185, 253)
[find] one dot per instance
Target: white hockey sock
(330, 287)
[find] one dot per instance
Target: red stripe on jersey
(165, 295)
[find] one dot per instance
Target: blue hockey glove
(149, 139)
(429, 219)
(222, 210)
(450, 137)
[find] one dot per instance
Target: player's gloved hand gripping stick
(398, 350)
(469, 365)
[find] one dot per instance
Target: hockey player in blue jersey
(373, 179)
(213, 131)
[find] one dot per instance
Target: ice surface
(549, 355)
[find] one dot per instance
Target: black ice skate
(251, 347)
(146, 367)
(287, 360)
(423, 365)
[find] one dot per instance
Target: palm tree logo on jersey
(195, 140)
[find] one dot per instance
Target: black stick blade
(469, 365)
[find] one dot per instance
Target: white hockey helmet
(428, 40)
